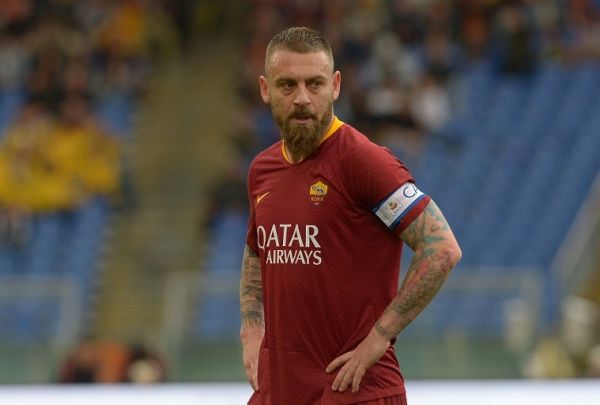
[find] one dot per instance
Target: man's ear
(337, 82)
(264, 89)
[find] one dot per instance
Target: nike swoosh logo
(260, 197)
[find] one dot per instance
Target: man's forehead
(284, 61)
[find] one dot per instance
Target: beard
(302, 140)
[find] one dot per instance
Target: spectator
(49, 164)
(474, 30)
(79, 149)
(584, 31)
(385, 100)
(430, 103)
(109, 362)
(95, 362)
(514, 40)
(15, 62)
(145, 366)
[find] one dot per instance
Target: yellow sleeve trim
(335, 125)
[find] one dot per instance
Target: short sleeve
(382, 184)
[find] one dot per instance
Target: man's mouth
(302, 119)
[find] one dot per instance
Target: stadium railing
(571, 264)
(498, 309)
(47, 309)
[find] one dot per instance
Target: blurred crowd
(62, 63)
(109, 362)
(399, 59)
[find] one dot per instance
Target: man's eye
(316, 84)
(287, 86)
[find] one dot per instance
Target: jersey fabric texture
(330, 265)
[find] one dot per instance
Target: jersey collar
(335, 125)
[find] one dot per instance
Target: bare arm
(252, 313)
(251, 293)
(436, 253)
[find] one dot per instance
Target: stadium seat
(526, 142)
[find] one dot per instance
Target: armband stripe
(406, 212)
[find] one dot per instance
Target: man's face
(301, 89)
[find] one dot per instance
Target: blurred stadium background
(126, 128)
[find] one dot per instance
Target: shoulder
(268, 156)
(268, 160)
(371, 172)
(350, 137)
(356, 148)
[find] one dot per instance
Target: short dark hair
(300, 40)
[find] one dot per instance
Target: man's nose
(302, 96)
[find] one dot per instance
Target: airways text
(290, 244)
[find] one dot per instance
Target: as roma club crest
(317, 192)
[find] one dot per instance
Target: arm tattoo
(436, 252)
(251, 301)
(383, 331)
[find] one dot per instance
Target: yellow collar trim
(335, 125)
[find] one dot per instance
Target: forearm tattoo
(428, 235)
(251, 297)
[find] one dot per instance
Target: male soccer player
(329, 211)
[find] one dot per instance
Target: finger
(339, 378)
(348, 377)
(338, 362)
(358, 375)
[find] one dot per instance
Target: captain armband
(397, 205)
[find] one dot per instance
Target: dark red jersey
(326, 231)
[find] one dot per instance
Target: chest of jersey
(297, 208)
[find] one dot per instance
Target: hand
(356, 362)
(251, 341)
